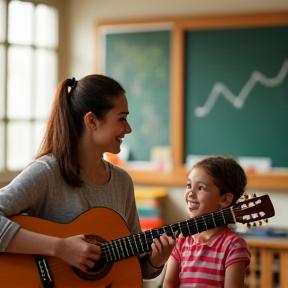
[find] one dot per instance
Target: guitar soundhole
(101, 267)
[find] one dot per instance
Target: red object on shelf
(150, 223)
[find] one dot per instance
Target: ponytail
(60, 138)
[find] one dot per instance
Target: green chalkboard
(140, 61)
(236, 93)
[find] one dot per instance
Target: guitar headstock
(253, 211)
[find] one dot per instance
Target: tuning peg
(248, 225)
(241, 199)
(254, 195)
(266, 220)
(254, 224)
(260, 223)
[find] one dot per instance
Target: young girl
(70, 176)
(216, 257)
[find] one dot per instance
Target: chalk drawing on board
(238, 100)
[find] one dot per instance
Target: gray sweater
(41, 191)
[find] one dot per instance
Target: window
(28, 77)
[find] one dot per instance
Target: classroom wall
(77, 55)
(82, 15)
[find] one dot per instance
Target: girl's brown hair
(228, 175)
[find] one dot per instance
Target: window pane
(46, 26)
(2, 146)
(20, 82)
(45, 82)
(2, 86)
(39, 130)
(2, 20)
(31, 135)
(20, 22)
(18, 156)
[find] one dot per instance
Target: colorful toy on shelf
(114, 158)
(149, 203)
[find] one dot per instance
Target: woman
(69, 176)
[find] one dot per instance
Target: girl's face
(202, 195)
(111, 131)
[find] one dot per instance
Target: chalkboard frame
(275, 180)
(141, 52)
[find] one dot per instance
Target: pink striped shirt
(202, 263)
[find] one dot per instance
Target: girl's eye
(201, 187)
(188, 185)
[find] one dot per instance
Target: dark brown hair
(228, 175)
(95, 93)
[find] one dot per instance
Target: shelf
(274, 181)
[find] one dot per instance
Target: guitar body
(103, 224)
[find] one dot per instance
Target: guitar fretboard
(139, 243)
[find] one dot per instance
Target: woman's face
(202, 195)
(112, 130)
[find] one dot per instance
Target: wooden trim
(271, 243)
(268, 181)
(284, 268)
(97, 51)
(235, 21)
(266, 262)
(210, 21)
(260, 181)
(177, 99)
(158, 178)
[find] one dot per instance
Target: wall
(84, 14)
(77, 54)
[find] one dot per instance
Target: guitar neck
(139, 243)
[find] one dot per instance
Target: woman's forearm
(28, 242)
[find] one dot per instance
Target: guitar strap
(43, 269)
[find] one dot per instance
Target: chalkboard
(140, 61)
(236, 93)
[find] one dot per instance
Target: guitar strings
(143, 241)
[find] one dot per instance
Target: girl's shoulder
(231, 237)
(184, 241)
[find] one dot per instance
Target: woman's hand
(77, 252)
(161, 250)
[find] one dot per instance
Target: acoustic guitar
(119, 265)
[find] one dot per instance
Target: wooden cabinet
(269, 263)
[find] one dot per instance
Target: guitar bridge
(43, 269)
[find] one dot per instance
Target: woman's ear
(226, 200)
(90, 121)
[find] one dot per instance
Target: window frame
(7, 175)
